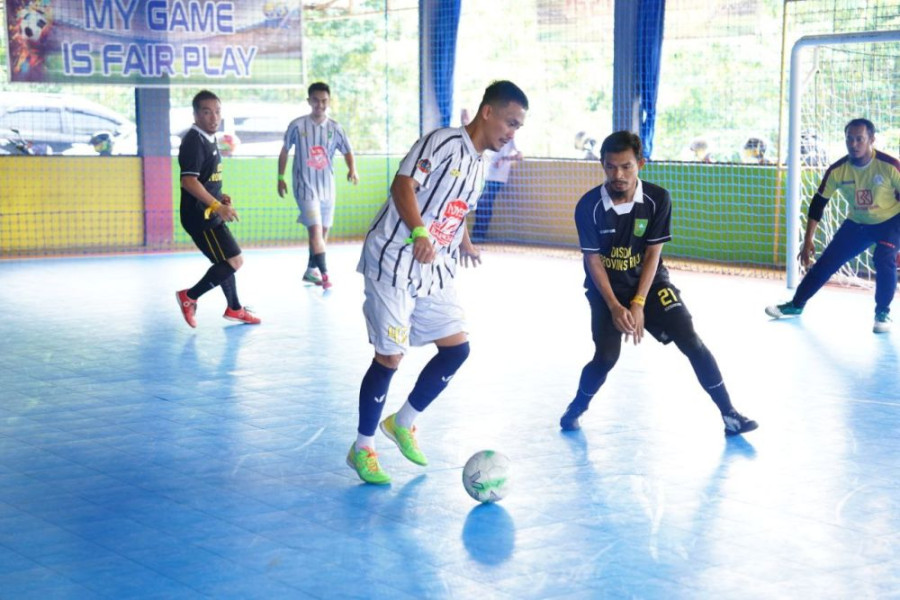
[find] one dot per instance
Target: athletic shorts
(314, 210)
(395, 319)
(217, 244)
(665, 314)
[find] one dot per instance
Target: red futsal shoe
(242, 315)
(188, 307)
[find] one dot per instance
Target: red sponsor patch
(424, 165)
(444, 228)
(318, 158)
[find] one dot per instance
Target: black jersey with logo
(621, 233)
(199, 156)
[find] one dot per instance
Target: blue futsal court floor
(142, 459)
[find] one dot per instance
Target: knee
(689, 344)
(236, 261)
(391, 361)
(455, 355)
(605, 359)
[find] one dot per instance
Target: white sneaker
(882, 323)
(313, 275)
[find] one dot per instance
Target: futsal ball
(486, 476)
(33, 24)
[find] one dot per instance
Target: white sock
(407, 415)
(364, 441)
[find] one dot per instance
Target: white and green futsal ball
(486, 476)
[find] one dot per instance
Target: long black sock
(320, 262)
(216, 274)
(707, 371)
(229, 288)
(311, 264)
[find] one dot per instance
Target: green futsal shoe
(365, 463)
(405, 440)
(787, 309)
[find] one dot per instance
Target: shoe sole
(312, 280)
(181, 307)
(748, 429)
(781, 315)
(393, 438)
(236, 320)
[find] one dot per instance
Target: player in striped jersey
(869, 181)
(409, 263)
(622, 226)
(315, 138)
(204, 211)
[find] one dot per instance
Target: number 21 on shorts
(667, 296)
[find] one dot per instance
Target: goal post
(794, 177)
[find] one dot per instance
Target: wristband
(211, 209)
(281, 177)
(416, 233)
(639, 300)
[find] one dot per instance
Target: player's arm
(196, 189)
(282, 163)
(351, 168)
(621, 316)
(403, 194)
(649, 266)
(813, 216)
(468, 250)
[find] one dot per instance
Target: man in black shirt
(204, 211)
(622, 226)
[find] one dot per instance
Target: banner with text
(155, 42)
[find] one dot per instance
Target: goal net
(840, 83)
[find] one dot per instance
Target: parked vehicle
(64, 123)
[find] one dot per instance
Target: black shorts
(665, 315)
(217, 244)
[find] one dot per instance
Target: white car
(64, 123)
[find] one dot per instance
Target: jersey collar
(210, 137)
(468, 141)
(625, 207)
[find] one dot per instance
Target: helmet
(102, 143)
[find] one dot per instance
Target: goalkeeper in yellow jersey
(869, 181)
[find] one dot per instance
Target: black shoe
(569, 420)
(736, 423)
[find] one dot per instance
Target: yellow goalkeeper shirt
(873, 191)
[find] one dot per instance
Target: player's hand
(623, 319)
(637, 313)
(227, 212)
(807, 253)
(225, 199)
(423, 250)
(469, 253)
(352, 177)
(282, 187)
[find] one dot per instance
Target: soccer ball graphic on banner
(33, 24)
(486, 476)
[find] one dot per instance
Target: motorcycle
(17, 145)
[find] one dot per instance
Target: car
(64, 123)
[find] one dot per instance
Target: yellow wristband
(211, 209)
(416, 233)
(639, 300)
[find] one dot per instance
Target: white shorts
(315, 212)
(395, 319)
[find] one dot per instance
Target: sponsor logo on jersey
(864, 199)
(444, 228)
(398, 334)
(640, 227)
(454, 172)
(318, 158)
(424, 165)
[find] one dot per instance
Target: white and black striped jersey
(620, 233)
(450, 175)
(314, 147)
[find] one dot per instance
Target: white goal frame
(792, 206)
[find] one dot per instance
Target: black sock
(216, 274)
(311, 264)
(229, 288)
(320, 262)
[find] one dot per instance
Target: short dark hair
(501, 93)
(755, 144)
(869, 125)
(621, 141)
(319, 86)
(203, 96)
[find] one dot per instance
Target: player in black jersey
(622, 226)
(204, 211)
